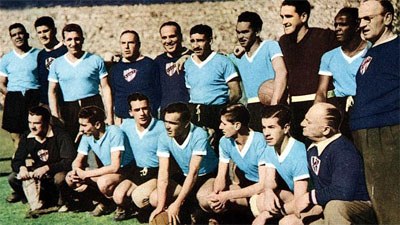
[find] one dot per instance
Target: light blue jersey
(249, 158)
(291, 164)
(196, 143)
(112, 140)
(343, 70)
(258, 68)
(144, 144)
(208, 81)
(20, 70)
(80, 79)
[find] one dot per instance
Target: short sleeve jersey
(80, 79)
(112, 140)
(208, 81)
(291, 164)
(144, 144)
(258, 68)
(20, 70)
(196, 143)
(343, 70)
(249, 158)
(139, 76)
(44, 60)
(173, 88)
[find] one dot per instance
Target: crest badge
(315, 164)
(365, 64)
(170, 68)
(43, 155)
(130, 74)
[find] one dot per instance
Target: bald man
(336, 168)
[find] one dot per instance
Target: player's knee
(104, 185)
(59, 178)
(153, 199)
(336, 209)
(140, 198)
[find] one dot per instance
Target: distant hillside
(102, 24)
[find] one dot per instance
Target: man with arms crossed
(375, 117)
(261, 61)
(111, 147)
(189, 145)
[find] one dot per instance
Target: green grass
(6, 150)
(14, 213)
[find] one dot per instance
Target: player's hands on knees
(173, 213)
(271, 202)
(23, 173)
(40, 172)
(217, 201)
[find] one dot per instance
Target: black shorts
(70, 111)
(142, 175)
(16, 107)
(180, 179)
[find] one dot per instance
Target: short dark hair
(333, 117)
(178, 107)
(202, 29)
(45, 21)
(282, 112)
(253, 18)
(172, 23)
(16, 25)
(41, 111)
(137, 97)
(93, 113)
(301, 6)
(351, 13)
(72, 27)
(236, 113)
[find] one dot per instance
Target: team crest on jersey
(365, 64)
(130, 74)
(170, 68)
(43, 155)
(48, 62)
(315, 164)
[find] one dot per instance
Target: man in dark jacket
(43, 157)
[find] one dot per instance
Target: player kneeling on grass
(287, 172)
(52, 151)
(190, 147)
(246, 148)
(111, 147)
